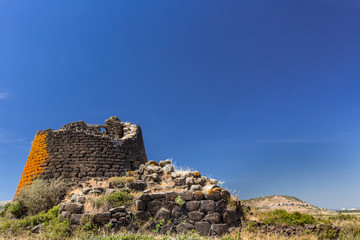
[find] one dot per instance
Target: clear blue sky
(264, 95)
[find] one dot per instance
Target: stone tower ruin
(80, 151)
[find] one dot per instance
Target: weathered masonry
(80, 151)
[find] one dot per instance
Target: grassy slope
(287, 203)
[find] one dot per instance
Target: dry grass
(247, 235)
(124, 179)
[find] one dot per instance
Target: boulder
(213, 217)
(229, 216)
(119, 215)
(138, 185)
(78, 198)
(64, 215)
(101, 218)
(140, 205)
(219, 229)
(76, 219)
(213, 181)
(154, 206)
(171, 196)
(184, 227)
(163, 214)
(174, 175)
(151, 163)
(195, 187)
(178, 212)
(207, 206)
(36, 229)
(225, 194)
(143, 215)
(180, 181)
(189, 181)
(145, 197)
(155, 177)
(203, 228)
(192, 206)
(168, 169)
(117, 209)
(196, 174)
(159, 196)
(186, 195)
(109, 191)
(198, 195)
(221, 205)
(200, 181)
(141, 168)
(72, 207)
(195, 216)
(213, 195)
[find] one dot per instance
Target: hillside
(287, 203)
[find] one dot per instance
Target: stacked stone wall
(163, 200)
(80, 151)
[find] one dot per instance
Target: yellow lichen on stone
(34, 164)
(214, 190)
(196, 174)
(130, 173)
(154, 163)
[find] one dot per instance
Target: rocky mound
(288, 203)
(161, 199)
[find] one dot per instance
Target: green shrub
(343, 217)
(179, 201)
(42, 195)
(17, 209)
(56, 229)
(50, 221)
(231, 203)
(4, 209)
(349, 232)
(120, 198)
(328, 233)
(280, 216)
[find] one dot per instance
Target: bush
(351, 231)
(231, 203)
(179, 201)
(4, 209)
(328, 233)
(56, 229)
(17, 209)
(280, 216)
(41, 195)
(52, 227)
(120, 198)
(343, 217)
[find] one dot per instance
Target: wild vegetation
(35, 215)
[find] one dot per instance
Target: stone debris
(194, 203)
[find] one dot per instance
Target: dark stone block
(219, 229)
(184, 227)
(203, 228)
